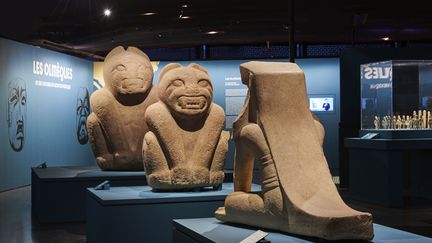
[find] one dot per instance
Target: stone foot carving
(298, 195)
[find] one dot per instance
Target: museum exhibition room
(215, 121)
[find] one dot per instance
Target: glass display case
(396, 97)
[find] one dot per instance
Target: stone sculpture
(117, 126)
(298, 195)
(185, 147)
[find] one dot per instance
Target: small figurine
(414, 120)
(408, 122)
(429, 120)
(420, 119)
(403, 120)
(424, 117)
(393, 126)
(384, 122)
(377, 122)
(399, 122)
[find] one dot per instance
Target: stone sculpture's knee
(153, 156)
(253, 137)
(220, 152)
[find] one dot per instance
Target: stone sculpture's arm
(97, 140)
(218, 161)
(106, 158)
(250, 144)
(163, 125)
(204, 148)
(155, 162)
(104, 132)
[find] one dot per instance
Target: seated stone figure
(116, 125)
(276, 128)
(185, 147)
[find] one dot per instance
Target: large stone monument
(116, 125)
(276, 128)
(185, 147)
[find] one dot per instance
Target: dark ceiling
(79, 26)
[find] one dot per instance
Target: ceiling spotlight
(385, 38)
(107, 12)
(182, 16)
(184, 6)
(148, 14)
(213, 32)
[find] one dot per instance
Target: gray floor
(17, 225)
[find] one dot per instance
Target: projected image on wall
(82, 112)
(324, 104)
(16, 113)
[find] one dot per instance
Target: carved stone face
(127, 72)
(186, 91)
(17, 107)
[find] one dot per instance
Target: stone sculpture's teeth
(194, 103)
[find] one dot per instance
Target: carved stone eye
(120, 68)
(177, 82)
(203, 83)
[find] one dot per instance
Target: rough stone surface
(185, 147)
(298, 195)
(116, 125)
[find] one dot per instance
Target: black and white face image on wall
(82, 112)
(16, 116)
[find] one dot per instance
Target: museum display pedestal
(390, 172)
(136, 214)
(212, 230)
(58, 193)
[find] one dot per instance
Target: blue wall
(50, 107)
(322, 78)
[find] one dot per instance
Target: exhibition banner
(44, 104)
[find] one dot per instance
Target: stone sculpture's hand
(121, 157)
(217, 174)
(118, 160)
(105, 161)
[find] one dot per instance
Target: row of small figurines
(421, 121)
